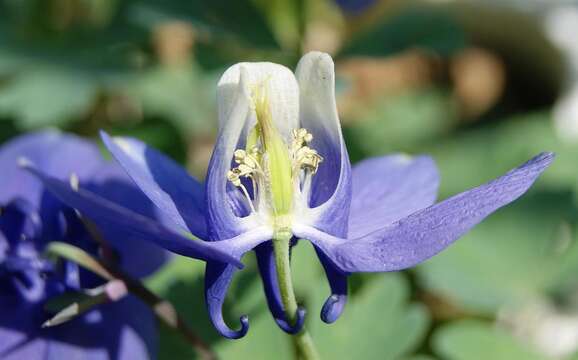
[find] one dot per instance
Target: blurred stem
(167, 314)
(301, 11)
(303, 342)
(163, 309)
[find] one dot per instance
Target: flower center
(24, 271)
(273, 176)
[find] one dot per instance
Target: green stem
(302, 340)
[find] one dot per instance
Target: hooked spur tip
(229, 333)
(333, 308)
(299, 322)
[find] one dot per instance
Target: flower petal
(423, 234)
(223, 221)
(120, 330)
(281, 89)
(331, 187)
(217, 280)
(20, 226)
(268, 271)
(388, 188)
(237, 246)
(55, 153)
(4, 245)
(218, 277)
(112, 183)
(166, 183)
(19, 330)
(236, 119)
(140, 227)
(20, 220)
(335, 303)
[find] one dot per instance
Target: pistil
(279, 173)
(276, 158)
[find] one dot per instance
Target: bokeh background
(480, 85)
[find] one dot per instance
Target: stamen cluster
(303, 156)
(250, 165)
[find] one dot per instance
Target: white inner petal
(318, 113)
(282, 90)
(306, 106)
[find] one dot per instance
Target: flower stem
(303, 342)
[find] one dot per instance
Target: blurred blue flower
(354, 7)
(30, 218)
(280, 165)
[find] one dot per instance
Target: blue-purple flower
(30, 218)
(355, 7)
(280, 170)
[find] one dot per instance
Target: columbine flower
(280, 170)
(30, 218)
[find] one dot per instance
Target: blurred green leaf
(423, 27)
(181, 95)
(404, 122)
(467, 158)
(476, 340)
(8, 129)
(181, 283)
(511, 257)
(285, 18)
(564, 280)
(378, 323)
(80, 36)
(55, 57)
(238, 19)
(47, 97)
(420, 357)
(307, 272)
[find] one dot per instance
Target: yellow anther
(245, 170)
(302, 136)
(247, 163)
(307, 158)
(311, 162)
(233, 176)
(299, 133)
(239, 155)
